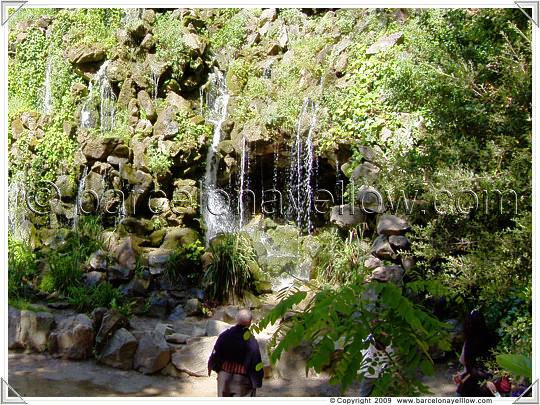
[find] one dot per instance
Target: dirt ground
(34, 375)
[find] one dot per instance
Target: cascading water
(244, 170)
(216, 210)
(155, 81)
(18, 224)
(301, 168)
(107, 101)
(78, 199)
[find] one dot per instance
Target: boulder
(111, 322)
(371, 262)
(190, 327)
(98, 260)
(14, 321)
(118, 274)
(382, 248)
(215, 328)
(97, 316)
(137, 287)
(66, 185)
(158, 304)
(193, 307)
(98, 148)
(385, 43)
(125, 254)
(193, 358)
(399, 242)
(158, 259)
(178, 313)
(346, 216)
(194, 43)
(166, 126)
(370, 200)
(177, 338)
(392, 225)
(120, 350)
(73, 338)
(86, 53)
(179, 236)
(267, 15)
(365, 171)
(408, 263)
(152, 353)
(226, 314)
(127, 92)
(147, 105)
(93, 278)
(388, 273)
(164, 329)
(34, 330)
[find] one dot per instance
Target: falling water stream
(78, 199)
(216, 210)
(107, 101)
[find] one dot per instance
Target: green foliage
(159, 159)
(231, 273)
(518, 365)
(84, 299)
(191, 134)
(22, 268)
(233, 31)
(185, 262)
(336, 322)
(170, 45)
(339, 261)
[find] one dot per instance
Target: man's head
(243, 317)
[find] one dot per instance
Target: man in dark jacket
(237, 360)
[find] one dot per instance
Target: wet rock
(147, 105)
(86, 54)
(193, 358)
(158, 259)
(111, 322)
(372, 262)
(388, 273)
(346, 216)
(34, 330)
(166, 126)
(385, 43)
(73, 338)
(66, 185)
(382, 248)
(399, 242)
(97, 316)
(127, 92)
(392, 225)
(120, 350)
(152, 353)
(215, 328)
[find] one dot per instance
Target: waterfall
(155, 74)
(244, 170)
(18, 224)
(301, 168)
(78, 199)
(47, 97)
(107, 101)
(216, 211)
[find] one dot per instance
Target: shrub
(170, 46)
(86, 299)
(230, 274)
(22, 268)
(185, 262)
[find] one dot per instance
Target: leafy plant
(518, 365)
(185, 262)
(230, 274)
(22, 268)
(86, 299)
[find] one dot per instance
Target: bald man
(237, 360)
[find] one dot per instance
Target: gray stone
(365, 171)
(147, 105)
(372, 262)
(125, 254)
(34, 330)
(190, 327)
(66, 185)
(346, 216)
(193, 358)
(408, 263)
(177, 338)
(98, 260)
(388, 273)
(111, 322)
(178, 314)
(382, 248)
(119, 273)
(14, 321)
(152, 353)
(215, 328)
(399, 242)
(166, 126)
(120, 350)
(267, 15)
(73, 339)
(370, 200)
(86, 53)
(158, 304)
(385, 43)
(93, 278)
(158, 259)
(193, 307)
(179, 236)
(392, 225)
(97, 148)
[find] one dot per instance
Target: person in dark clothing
(470, 383)
(237, 360)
